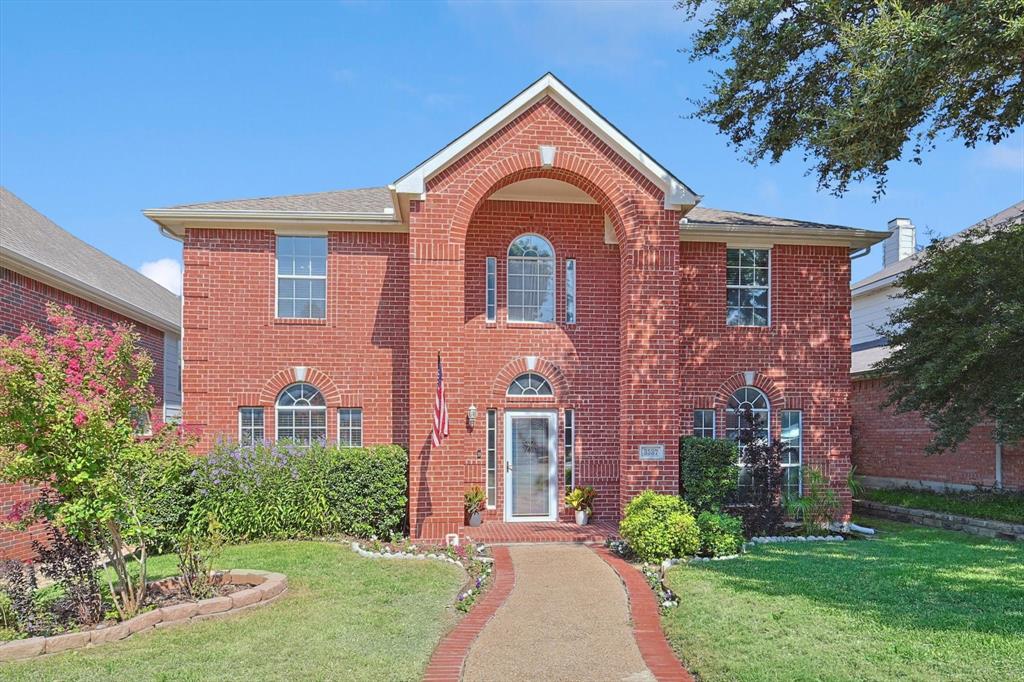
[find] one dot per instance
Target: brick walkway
(555, 614)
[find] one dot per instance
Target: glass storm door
(531, 466)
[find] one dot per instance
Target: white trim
(177, 220)
(677, 194)
(488, 261)
(337, 420)
(553, 483)
(799, 448)
(294, 278)
(768, 236)
(554, 278)
(742, 286)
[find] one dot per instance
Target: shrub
(819, 504)
(659, 527)
(760, 494)
(707, 472)
(284, 490)
(71, 563)
(720, 534)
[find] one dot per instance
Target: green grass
(911, 604)
(998, 506)
(343, 617)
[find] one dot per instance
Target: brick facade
(891, 446)
(24, 301)
(649, 345)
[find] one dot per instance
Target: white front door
(531, 465)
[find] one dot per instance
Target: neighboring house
(889, 448)
(41, 263)
(586, 310)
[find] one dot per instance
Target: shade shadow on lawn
(915, 603)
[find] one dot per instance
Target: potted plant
(582, 500)
(474, 503)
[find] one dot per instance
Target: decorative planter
(581, 517)
(262, 587)
(475, 520)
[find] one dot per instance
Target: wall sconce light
(471, 415)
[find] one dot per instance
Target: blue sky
(106, 109)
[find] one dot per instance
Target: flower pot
(581, 517)
(475, 520)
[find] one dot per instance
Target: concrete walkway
(567, 618)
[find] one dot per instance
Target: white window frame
(544, 379)
(714, 422)
(799, 447)
(278, 277)
(350, 429)
(736, 247)
(569, 449)
(570, 291)
(242, 428)
(491, 289)
(491, 463)
(767, 423)
(278, 408)
(554, 281)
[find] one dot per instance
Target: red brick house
(587, 311)
(889, 448)
(41, 263)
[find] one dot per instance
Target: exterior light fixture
(471, 415)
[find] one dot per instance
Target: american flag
(440, 409)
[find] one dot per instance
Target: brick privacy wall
(582, 359)
(801, 361)
(648, 301)
(24, 302)
(891, 445)
(237, 354)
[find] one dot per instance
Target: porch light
(471, 415)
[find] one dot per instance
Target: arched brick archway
(284, 378)
(776, 399)
(521, 365)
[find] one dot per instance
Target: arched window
(757, 402)
(301, 414)
(531, 280)
(530, 384)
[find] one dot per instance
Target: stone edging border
(450, 655)
(646, 617)
(933, 519)
(266, 587)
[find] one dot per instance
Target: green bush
(659, 527)
(284, 490)
(707, 472)
(720, 534)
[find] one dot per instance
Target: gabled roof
(34, 245)
(677, 194)
(712, 223)
(1010, 214)
(369, 200)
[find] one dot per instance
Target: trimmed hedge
(720, 534)
(284, 490)
(659, 527)
(707, 472)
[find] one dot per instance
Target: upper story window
(530, 384)
(531, 280)
(747, 286)
(302, 277)
(301, 414)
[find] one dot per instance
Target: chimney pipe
(901, 242)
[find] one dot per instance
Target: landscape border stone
(265, 588)
(924, 517)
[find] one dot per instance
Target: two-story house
(585, 309)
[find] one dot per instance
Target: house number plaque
(652, 452)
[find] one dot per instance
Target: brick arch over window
(518, 366)
(286, 377)
(776, 400)
(568, 167)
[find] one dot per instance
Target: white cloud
(166, 272)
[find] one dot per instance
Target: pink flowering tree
(70, 405)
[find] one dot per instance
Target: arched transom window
(301, 414)
(739, 402)
(530, 384)
(531, 280)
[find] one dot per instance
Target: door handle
(508, 466)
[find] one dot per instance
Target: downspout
(999, 465)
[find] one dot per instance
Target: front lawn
(913, 603)
(998, 506)
(343, 617)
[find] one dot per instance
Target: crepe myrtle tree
(856, 84)
(958, 342)
(70, 404)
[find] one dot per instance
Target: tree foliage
(958, 343)
(854, 83)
